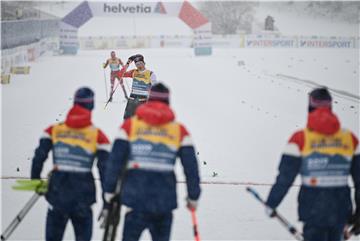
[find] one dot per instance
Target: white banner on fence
(217, 41)
(270, 41)
(126, 42)
(228, 41)
(326, 42)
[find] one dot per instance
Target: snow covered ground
(241, 106)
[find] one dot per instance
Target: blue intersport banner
(69, 43)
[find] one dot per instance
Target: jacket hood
(322, 120)
(78, 117)
(155, 113)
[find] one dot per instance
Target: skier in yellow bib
(143, 79)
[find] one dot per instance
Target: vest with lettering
(141, 82)
(74, 149)
(326, 159)
(153, 148)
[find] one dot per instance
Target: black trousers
(321, 233)
(133, 102)
(82, 221)
(158, 224)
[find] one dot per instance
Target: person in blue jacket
(149, 143)
(75, 144)
(325, 156)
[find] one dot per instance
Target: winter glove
(37, 185)
(131, 59)
(347, 234)
(355, 222)
(270, 212)
(104, 65)
(42, 188)
(191, 204)
(108, 197)
(103, 216)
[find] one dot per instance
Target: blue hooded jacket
(149, 144)
(325, 156)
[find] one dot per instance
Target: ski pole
(281, 219)
(111, 94)
(127, 85)
(123, 89)
(106, 90)
(17, 220)
(195, 225)
(124, 69)
(113, 219)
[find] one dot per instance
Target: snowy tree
(228, 17)
(347, 11)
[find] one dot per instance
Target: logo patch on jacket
(74, 148)
(326, 159)
(153, 147)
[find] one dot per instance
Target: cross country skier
(114, 63)
(74, 144)
(143, 79)
(148, 144)
(325, 156)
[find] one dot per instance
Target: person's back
(75, 144)
(325, 153)
(155, 139)
(149, 143)
(325, 156)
